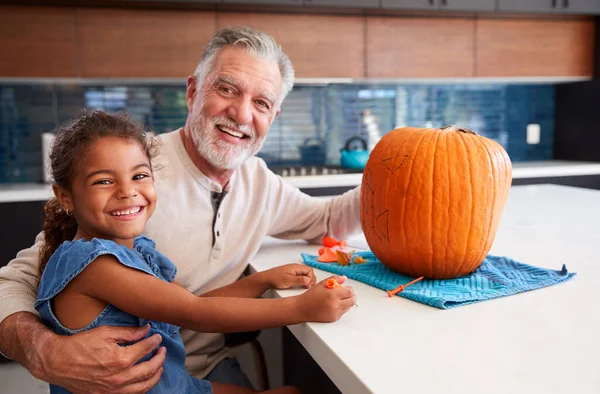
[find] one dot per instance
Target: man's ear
(190, 92)
(63, 197)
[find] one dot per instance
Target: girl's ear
(63, 197)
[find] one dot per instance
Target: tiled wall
(314, 124)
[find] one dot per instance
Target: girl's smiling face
(112, 191)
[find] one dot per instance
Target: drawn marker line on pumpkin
(402, 287)
(394, 161)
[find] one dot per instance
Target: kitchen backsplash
(314, 124)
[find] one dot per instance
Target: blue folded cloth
(496, 277)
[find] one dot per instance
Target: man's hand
(89, 362)
(291, 275)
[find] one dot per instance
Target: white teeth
(231, 132)
(129, 211)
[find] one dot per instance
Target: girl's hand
(321, 304)
(291, 275)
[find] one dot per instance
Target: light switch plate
(533, 134)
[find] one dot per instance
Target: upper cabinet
(534, 48)
(419, 47)
(343, 3)
(269, 2)
(553, 6)
(435, 5)
(580, 6)
(45, 47)
(320, 46)
(310, 3)
(116, 43)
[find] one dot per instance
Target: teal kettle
(354, 158)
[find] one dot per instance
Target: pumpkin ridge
(410, 178)
(431, 231)
(494, 187)
(448, 226)
(459, 267)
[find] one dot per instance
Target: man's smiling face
(233, 109)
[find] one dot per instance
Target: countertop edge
(26, 192)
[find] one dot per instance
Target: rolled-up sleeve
(296, 215)
(19, 281)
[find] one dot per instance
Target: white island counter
(543, 341)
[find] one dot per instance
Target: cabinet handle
(431, 2)
(553, 3)
(565, 3)
(444, 2)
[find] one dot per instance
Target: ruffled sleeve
(71, 258)
(160, 265)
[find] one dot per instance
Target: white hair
(258, 44)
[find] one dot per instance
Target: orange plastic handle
(332, 283)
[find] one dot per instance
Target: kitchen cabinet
(20, 223)
(552, 6)
(343, 3)
(326, 46)
(580, 6)
(119, 43)
(419, 47)
(311, 3)
(268, 2)
(443, 5)
(38, 42)
(534, 47)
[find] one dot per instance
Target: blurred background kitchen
(522, 72)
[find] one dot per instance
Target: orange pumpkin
(431, 200)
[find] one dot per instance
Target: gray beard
(218, 152)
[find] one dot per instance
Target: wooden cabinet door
(419, 47)
(324, 46)
(119, 43)
(534, 48)
(38, 42)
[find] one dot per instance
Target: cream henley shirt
(257, 203)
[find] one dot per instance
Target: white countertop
(543, 341)
(20, 192)
(521, 170)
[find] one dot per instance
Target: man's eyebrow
(225, 79)
(269, 96)
(230, 81)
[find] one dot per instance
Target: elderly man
(216, 203)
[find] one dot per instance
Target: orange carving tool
(332, 284)
(402, 287)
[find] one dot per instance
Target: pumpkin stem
(458, 129)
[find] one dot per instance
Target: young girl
(98, 270)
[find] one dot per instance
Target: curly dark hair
(72, 139)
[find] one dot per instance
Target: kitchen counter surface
(543, 341)
(19, 192)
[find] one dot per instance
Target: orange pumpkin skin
(431, 200)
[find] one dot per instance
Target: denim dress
(72, 257)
